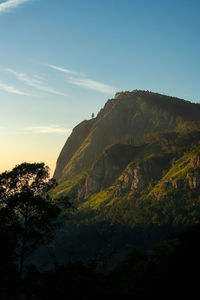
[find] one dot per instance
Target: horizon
(61, 63)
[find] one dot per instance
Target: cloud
(11, 4)
(93, 85)
(85, 82)
(34, 82)
(64, 70)
(47, 129)
(12, 89)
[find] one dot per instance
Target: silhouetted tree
(26, 207)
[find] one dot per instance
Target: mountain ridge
(125, 119)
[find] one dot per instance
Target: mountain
(126, 119)
(133, 173)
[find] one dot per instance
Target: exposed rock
(138, 179)
(193, 176)
(140, 176)
(79, 133)
(194, 182)
(108, 167)
(195, 162)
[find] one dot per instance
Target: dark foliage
(28, 218)
(170, 268)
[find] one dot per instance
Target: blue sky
(61, 60)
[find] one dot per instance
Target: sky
(61, 60)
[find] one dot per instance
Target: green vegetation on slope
(135, 175)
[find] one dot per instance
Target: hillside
(133, 173)
(126, 119)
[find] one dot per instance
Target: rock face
(105, 171)
(195, 162)
(194, 182)
(193, 176)
(74, 142)
(141, 176)
(108, 168)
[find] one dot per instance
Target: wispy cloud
(64, 70)
(93, 85)
(47, 129)
(90, 84)
(7, 5)
(34, 82)
(11, 89)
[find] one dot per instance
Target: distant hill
(133, 173)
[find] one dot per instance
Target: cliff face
(74, 142)
(141, 176)
(108, 168)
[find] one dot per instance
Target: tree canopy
(28, 215)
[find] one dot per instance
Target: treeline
(169, 269)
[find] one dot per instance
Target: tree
(92, 115)
(26, 208)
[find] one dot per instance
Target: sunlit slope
(158, 190)
(127, 119)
